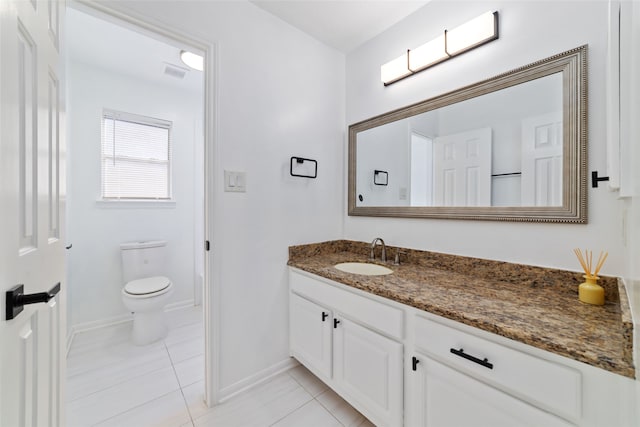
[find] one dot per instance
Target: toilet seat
(147, 287)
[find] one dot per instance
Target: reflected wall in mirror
(512, 147)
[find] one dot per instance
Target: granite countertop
(533, 305)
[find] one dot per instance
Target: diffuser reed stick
(586, 261)
(601, 260)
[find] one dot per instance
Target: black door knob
(16, 299)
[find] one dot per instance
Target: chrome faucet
(383, 256)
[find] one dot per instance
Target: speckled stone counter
(533, 305)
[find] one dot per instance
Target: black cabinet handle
(324, 316)
(69, 247)
(484, 362)
(335, 323)
(414, 363)
(16, 299)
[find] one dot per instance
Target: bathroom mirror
(509, 148)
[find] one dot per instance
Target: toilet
(146, 292)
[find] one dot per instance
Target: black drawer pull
(482, 362)
(324, 316)
(335, 323)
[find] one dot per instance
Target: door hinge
(206, 245)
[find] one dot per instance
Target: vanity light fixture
(463, 38)
(192, 60)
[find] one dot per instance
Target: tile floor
(111, 382)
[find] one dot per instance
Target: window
(136, 157)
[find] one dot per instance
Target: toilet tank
(143, 259)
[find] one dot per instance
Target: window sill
(135, 204)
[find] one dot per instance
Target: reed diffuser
(590, 292)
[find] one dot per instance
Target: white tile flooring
(111, 382)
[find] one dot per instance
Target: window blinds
(136, 154)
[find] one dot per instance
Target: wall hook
(595, 179)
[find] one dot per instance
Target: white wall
(529, 31)
(630, 133)
(95, 275)
(384, 148)
(280, 94)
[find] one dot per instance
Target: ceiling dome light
(192, 60)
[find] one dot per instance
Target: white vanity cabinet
(461, 379)
(444, 397)
(553, 387)
(402, 366)
(347, 348)
(368, 367)
(465, 376)
(310, 335)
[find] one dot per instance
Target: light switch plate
(402, 193)
(235, 181)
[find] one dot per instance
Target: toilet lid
(148, 285)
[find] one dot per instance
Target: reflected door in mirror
(462, 169)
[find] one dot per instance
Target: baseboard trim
(95, 324)
(116, 320)
(180, 304)
(102, 323)
(258, 378)
(71, 334)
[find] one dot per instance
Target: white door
(31, 211)
(443, 397)
(421, 163)
(368, 369)
(462, 169)
(310, 335)
(542, 160)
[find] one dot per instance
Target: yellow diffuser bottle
(590, 292)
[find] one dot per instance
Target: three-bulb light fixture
(463, 38)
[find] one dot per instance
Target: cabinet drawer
(445, 397)
(381, 317)
(544, 383)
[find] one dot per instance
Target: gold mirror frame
(573, 66)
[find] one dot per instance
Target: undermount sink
(364, 268)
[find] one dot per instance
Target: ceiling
(111, 47)
(341, 24)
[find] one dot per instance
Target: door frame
(211, 300)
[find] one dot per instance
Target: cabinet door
(368, 369)
(444, 397)
(310, 335)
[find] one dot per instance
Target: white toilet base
(149, 323)
(148, 327)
